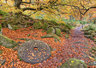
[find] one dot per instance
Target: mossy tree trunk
(17, 3)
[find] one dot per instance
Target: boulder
(58, 31)
(51, 30)
(74, 63)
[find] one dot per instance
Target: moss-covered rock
(74, 63)
(15, 27)
(47, 36)
(1, 51)
(6, 42)
(56, 38)
(58, 31)
(93, 34)
(51, 30)
(45, 26)
(37, 25)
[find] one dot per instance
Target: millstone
(34, 51)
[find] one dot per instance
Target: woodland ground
(76, 46)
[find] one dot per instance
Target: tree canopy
(76, 8)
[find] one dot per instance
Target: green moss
(66, 36)
(74, 63)
(37, 25)
(0, 43)
(50, 48)
(94, 40)
(26, 39)
(91, 37)
(53, 23)
(0, 27)
(56, 38)
(28, 35)
(51, 30)
(43, 31)
(35, 35)
(15, 27)
(47, 36)
(6, 42)
(58, 31)
(1, 51)
(19, 58)
(64, 28)
(93, 51)
(45, 26)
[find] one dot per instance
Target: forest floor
(76, 46)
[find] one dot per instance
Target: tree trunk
(17, 3)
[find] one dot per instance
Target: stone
(56, 38)
(34, 51)
(51, 30)
(74, 63)
(58, 31)
(9, 26)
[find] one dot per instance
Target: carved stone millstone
(34, 51)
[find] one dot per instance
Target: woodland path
(76, 46)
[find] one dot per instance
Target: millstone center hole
(35, 48)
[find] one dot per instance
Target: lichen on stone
(74, 63)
